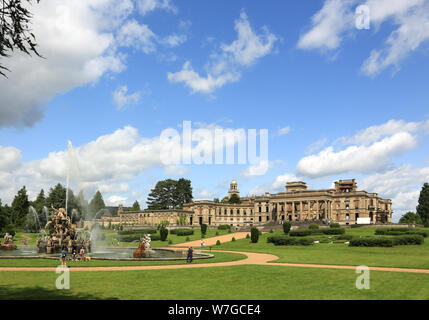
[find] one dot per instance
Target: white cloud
(225, 66)
(76, 39)
(203, 194)
(401, 184)
(122, 99)
(9, 158)
(328, 24)
(174, 40)
(146, 6)
(362, 158)
(115, 200)
(198, 83)
(283, 131)
(139, 36)
(249, 46)
(376, 132)
(278, 185)
(315, 146)
(256, 170)
(336, 19)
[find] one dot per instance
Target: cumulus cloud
(401, 184)
(225, 66)
(146, 6)
(139, 36)
(122, 99)
(278, 185)
(362, 158)
(336, 19)
(77, 41)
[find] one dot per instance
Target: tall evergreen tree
(234, 199)
(96, 204)
(170, 194)
(136, 206)
(423, 205)
(20, 207)
(57, 197)
(4, 217)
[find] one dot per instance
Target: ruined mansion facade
(344, 204)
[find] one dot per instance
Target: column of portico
(293, 210)
(301, 210)
(317, 210)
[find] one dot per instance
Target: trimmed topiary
(334, 225)
(313, 226)
(163, 233)
(218, 243)
(254, 235)
(203, 229)
(286, 227)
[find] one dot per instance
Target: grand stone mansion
(344, 204)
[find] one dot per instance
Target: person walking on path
(189, 257)
(203, 245)
(64, 257)
(82, 254)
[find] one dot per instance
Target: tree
(170, 194)
(57, 197)
(15, 32)
(410, 218)
(20, 207)
(96, 204)
(203, 229)
(216, 200)
(4, 217)
(423, 206)
(286, 227)
(234, 199)
(136, 206)
(254, 235)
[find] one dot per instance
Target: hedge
(313, 226)
(137, 231)
(372, 242)
(224, 227)
(288, 241)
(334, 225)
(334, 231)
(307, 232)
(182, 232)
(136, 237)
(401, 231)
(408, 239)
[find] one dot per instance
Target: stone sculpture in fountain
(61, 235)
(144, 247)
(8, 243)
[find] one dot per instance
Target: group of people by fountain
(62, 236)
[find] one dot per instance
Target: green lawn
(237, 282)
(218, 257)
(413, 256)
(111, 235)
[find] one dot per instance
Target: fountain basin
(108, 253)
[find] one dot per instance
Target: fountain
(8, 243)
(144, 247)
(61, 234)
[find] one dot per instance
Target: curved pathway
(253, 258)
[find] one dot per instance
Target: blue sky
(352, 103)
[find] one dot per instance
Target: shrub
(286, 227)
(203, 228)
(182, 232)
(334, 231)
(170, 241)
(300, 233)
(335, 225)
(163, 233)
(254, 235)
(289, 241)
(345, 237)
(155, 237)
(372, 242)
(247, 236)
(271, 231)
(408, 239)
(229, 230)
(217, 233)
(313, 226)
(233, 239)
(401, 231)
(218, 243)
(187, 239)
(223, 227)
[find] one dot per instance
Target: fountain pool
(108, 253)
